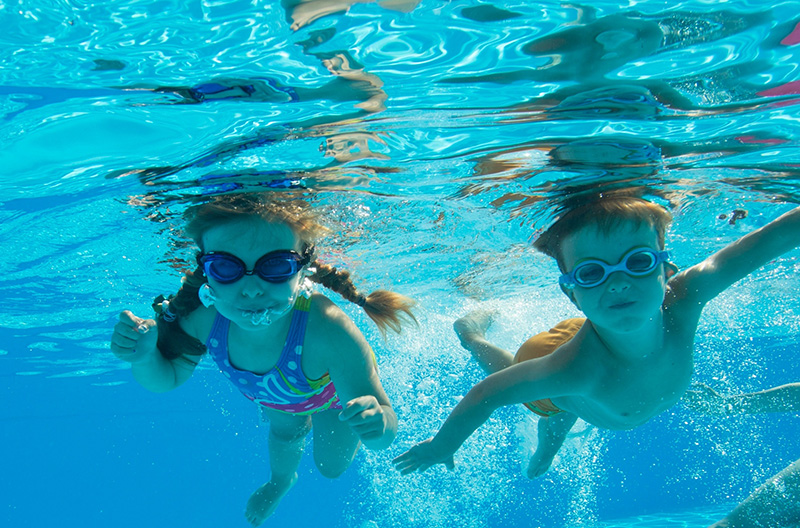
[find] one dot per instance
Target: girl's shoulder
(327, 321)
(199, 322)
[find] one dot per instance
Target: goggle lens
(637, 262)
(641, 262)
(278, 269)
(275, 267)
(223, 269)
(589, 274)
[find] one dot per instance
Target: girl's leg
(552, 432)
(471, 330)
(287, 435)
(335, 444)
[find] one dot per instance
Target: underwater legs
(471, 330)
(287, 435)
(552, 432)
(335, 443)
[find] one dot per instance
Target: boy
(631, 358)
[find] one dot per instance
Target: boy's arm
(785, 398)
(527, 381)
(706, 280)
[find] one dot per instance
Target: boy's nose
(618, 281)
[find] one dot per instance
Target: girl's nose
(252, 286)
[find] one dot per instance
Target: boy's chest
(629, 395)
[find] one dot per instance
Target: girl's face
(249, 240)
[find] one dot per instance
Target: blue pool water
(473, 121)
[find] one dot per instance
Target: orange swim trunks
(544, 344)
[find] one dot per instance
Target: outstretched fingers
(407, 463)
(421, 457)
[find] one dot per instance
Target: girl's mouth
(258, 317)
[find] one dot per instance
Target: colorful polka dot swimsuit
(285, 387)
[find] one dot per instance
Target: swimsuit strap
(292, 352)
(218, 334)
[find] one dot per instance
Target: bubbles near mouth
(258, 317)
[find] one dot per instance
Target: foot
(473, 326)
(540, 462)
(264, 500)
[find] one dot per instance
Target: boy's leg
(287, 435)
(774, 503)
(335, 443)
(471, 330)
(552, 432)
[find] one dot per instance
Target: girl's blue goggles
(275, 266)
(594, 272)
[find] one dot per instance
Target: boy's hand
(134, 338)
(421, 457)
(704, 399)
(365, 417)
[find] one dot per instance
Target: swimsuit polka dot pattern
(285, 387)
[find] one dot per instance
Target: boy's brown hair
(606, 213)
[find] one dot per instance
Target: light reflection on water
(439, 138)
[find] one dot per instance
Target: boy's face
(623, 303)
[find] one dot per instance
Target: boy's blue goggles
(589, 273)
(275, 266)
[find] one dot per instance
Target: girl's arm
(352, 368)
(135, 341)
(706, 280)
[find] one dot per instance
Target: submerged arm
(706, 280)
(527, 381)
(351, 364)
(785, 398)
(135, 340)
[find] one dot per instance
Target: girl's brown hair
(387, 309)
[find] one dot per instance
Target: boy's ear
(569, 293)
(670, 270)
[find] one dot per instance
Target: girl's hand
(421, 457)
(134, 338)
(365, 417)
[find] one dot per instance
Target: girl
(294, 353)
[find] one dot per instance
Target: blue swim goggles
(275, 267)
(589, 273)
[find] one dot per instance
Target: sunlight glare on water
(438, 139)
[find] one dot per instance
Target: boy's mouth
(622, 305)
